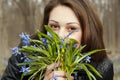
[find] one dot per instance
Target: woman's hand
(52, 74)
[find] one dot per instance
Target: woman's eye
(54, 27)
(71, 29)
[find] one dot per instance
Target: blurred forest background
(17, 16)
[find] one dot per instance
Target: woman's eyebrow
(66, 23)
(73, 23)
(54, 21)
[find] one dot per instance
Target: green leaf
(27, 74)
(45, 36)
(89, 53)
(39, 35)
(82, 47)
(37, 41)
(35, 49)
(86, 70)
(50, 49)
(54, 35)
(33, 75)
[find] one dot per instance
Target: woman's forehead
(63, 13)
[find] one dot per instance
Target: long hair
(91, 25)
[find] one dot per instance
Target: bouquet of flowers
(50, 48)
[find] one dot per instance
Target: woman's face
(64, 21)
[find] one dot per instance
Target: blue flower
(25, 39)
(21, 58)
(75, 76)
(71, 33)
(27, 60)
(55, 78)
(15, 51)
(61, 46)
(68, 35)
(75, 45)
(80, 67)
(61, 43)
(44, 41)
(48, 33)
(76, 30)
(87, 59)
(68, 46)
(24, 69)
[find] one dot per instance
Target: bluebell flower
(75, 45)
(15, 51)
(48, 33)
(63, 40)
(27, 60)
(80, 67)
(76, 30)
(75, 76)
(68, 46)
(24, 69)
(25, 39)
(34, 46)
(61, 45)
(55, 78)
(70, 33)
(21, 58)
(87, 59)
(44, 41)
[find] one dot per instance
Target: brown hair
(91, 25)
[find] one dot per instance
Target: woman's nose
(62, 33)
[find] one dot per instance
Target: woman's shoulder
(104, 65)
(105, 68)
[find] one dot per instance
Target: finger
(49, 69)
(49, 77)
(60, 74)
(71, 78)
(52, 67)
(56, 74)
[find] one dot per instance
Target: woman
(65, 16)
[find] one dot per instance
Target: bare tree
(109, 12)
(17, 16)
